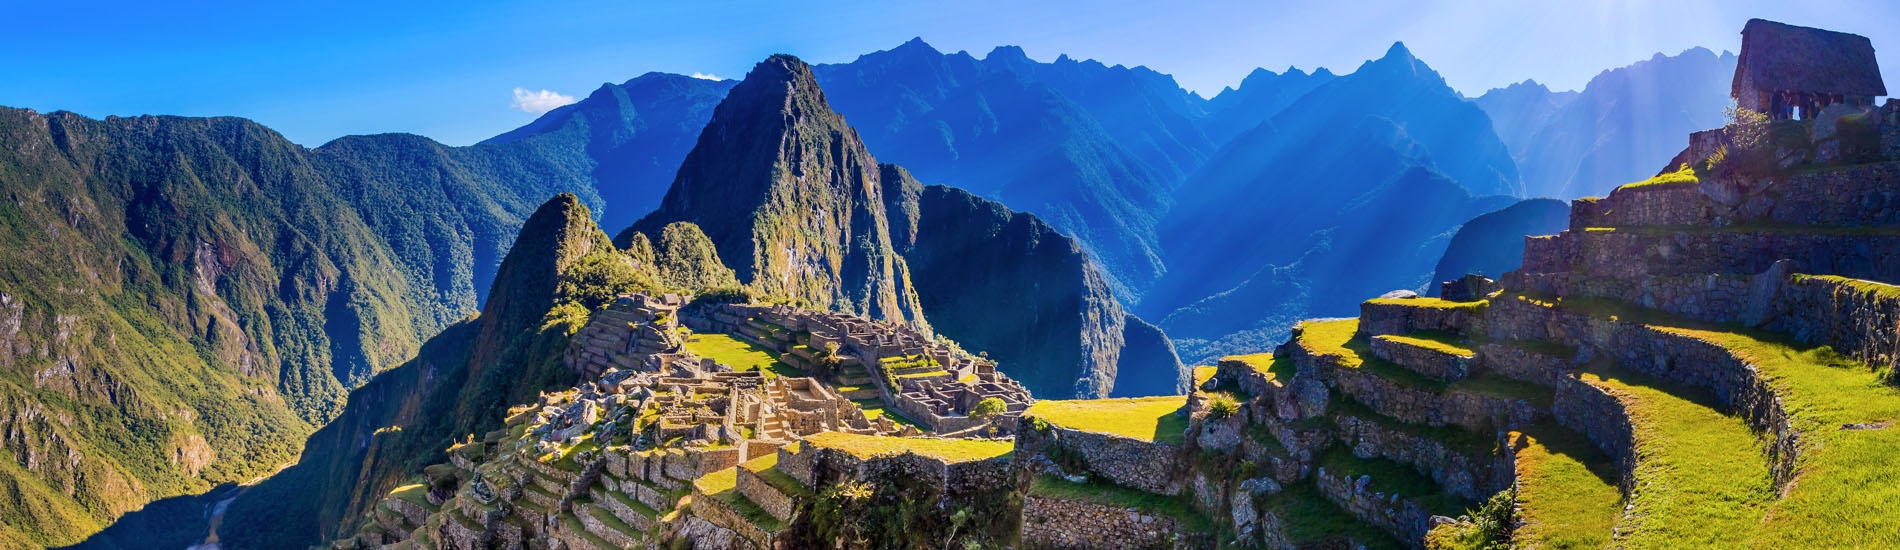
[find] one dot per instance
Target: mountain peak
(1007, 54)
(917, 44)
(1398, 51)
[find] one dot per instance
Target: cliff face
(457, 385)
(791, 199)
(795, 204)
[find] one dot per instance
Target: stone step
(761, 483)
(1344, 362)
(1437, 355)
(603, 523)
(856, 393)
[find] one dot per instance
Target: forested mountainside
(186, 298)
(1621, 128)
(794, 202)
(1355, 189)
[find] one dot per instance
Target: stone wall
(1400, 516)
(1523, 365)
(1859, 323)
(1632, 254)
(1472, 476)
(1440, 365)
(1601, 418)
(1399, 317)
(1408, 403)
(769, 498)
(1146, 465)
(1053, 523)
(719, 513)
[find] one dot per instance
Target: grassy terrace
(1145, 418)
(1312, 521)
(416, 493)
(947, 450)
(740, 354)
(1264, 363)
(723, 486)
(1566, 490)
(1701, 479)
(1109, 494)
(1864, 286)
(1433, 340)
(1847, 489)
(1430, 303)
(1391, 477)
(1469, 443)
(1335, 338)
(766, 467)
(1682, 177)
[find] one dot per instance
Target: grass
(563, 457)
(1109, 494)
(1145, 418)
(1701, 479)
(1847, 490)
(415, 493)
(1265, 363)
(1336, 338)
(1682, 177)
(947, 450)
(1203, 374)
(1391, 477)
(1430, 303)
(1474, 445)
(766, 467)
(1433, 340)
(723, 486)
(739, 354)
(1566, 490)
(1879, 290)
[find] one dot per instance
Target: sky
(460, 72)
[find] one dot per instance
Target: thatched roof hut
(1778, 57)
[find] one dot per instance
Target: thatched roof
(1779, 56)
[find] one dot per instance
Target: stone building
(1785, 70)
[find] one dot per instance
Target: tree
(989, 407)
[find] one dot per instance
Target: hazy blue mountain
(1623, 127)
(1260, 96)
(1520, 110)
(631, 137)
(1351, 190)
(1493, 243)
(1089, 148)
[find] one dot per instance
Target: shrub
(1746, 129)
(1223, 407)
(1486, 528)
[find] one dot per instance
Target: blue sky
(317, 71)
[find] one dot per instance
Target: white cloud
(539, 102)
(706, 76)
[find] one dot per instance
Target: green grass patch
(1701, 479)
(947, 450)
(415, 493)
(1441, 342)
(1144, 418)
(1109, 494)
(1312, 521)
(1431, 303)
(1685, 176)
(741, 355)
(1475, 445)
(1566, 490)
(1276, 368)
(1880, 290)
(722, 485)
(766, 467)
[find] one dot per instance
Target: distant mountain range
(1621, 128)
